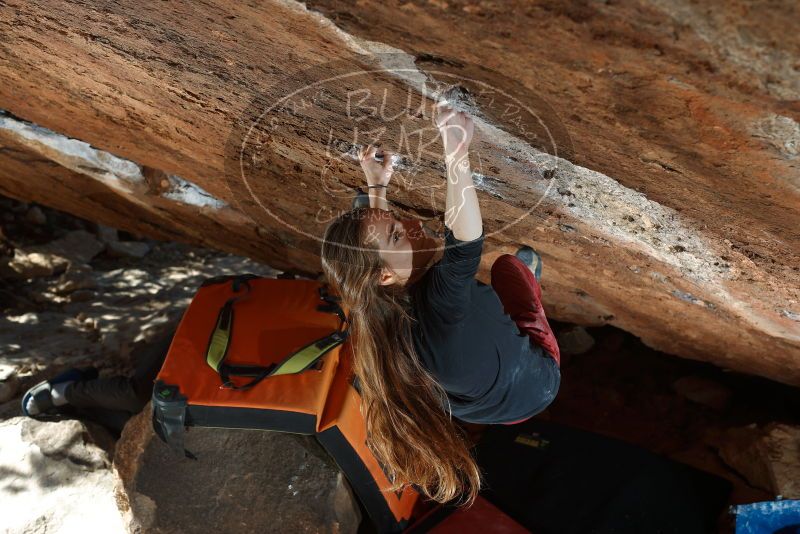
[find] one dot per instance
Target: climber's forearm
(377, 198)
(462, 212)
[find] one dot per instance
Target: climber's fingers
(387, 159)
(444, 116)
(367, 152)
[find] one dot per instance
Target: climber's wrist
(456, 155)
(377, 196)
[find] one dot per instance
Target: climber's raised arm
(462, 211)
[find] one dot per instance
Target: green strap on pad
(305, 357)
(300, 360)
(220, 338)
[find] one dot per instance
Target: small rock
(76, 277)
(77, 246)
(112, 342)
(44, 297)
(7, 371)
(106, 234)
(37, 264)
(8, 388)
(35, 215)
(574, 340)
(703, 391)
(128, 249)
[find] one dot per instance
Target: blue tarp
(773, 517)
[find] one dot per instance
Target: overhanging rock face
(648, 150)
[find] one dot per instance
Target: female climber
(429, 340)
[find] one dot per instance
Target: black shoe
(532, 259)
(40, 393)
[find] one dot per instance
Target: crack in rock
(118, 173)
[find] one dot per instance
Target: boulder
(106, 234)
(782, 444)
(650, 157)
(574, 340)
(127, 249)
(768, 457)
(35, 215)
(36, 264)
(55, 479)
(77, 246)
(242, 481)
(703, 391)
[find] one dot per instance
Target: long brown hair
(408, 428)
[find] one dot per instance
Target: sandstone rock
(669, 148)
(7, 371)
(127, 249)
(703, 391)
(8, 382)
(574, 340)
(36, 264)
(55, 479)
(8, 388)
(75, 278)
(77, 246)
(768, 458)
(35, 215)
(738, 448)
(242, 481)
(106, 234)
(782, 444)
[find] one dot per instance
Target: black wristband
(378, 185)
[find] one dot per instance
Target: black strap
(169, 417)
(300, 360)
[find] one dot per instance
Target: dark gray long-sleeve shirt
(491, 371)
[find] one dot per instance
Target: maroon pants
(521, 296)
